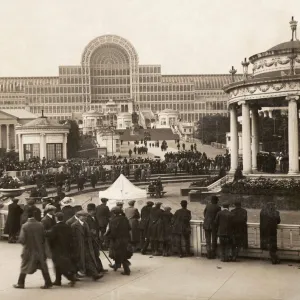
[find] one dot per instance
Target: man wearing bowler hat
(102, 216)
(182, 228)
(209, 226)
(224, 224)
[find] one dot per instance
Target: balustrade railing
(288, 239)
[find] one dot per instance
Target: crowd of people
(231, 229)
(74, 238)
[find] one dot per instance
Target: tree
(73, 138)
(213, 129)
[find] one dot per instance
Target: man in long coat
(61, 241)
(33, 255)
(102, 216)
(239, 229)
(144, 224)
(83, 248)
(210, 213)
(167, 231)
(155, 228)
(269, 219)
(224, 223)
(13, 221)
(182, 228)
(119, 235)
(36, 211)
(48, 222)
(94, 229)
(133, 217)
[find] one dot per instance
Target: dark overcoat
(224, 223)
(133, 216)
(119, 235)
(13, 221)
(145, 214)
(68, 212)
(36, 212)
(167, 227)
(181, 222)
(61, 244)
(102, 215)
(268, 229)
(71, 221)
(32, 238)
(84, 253)
(239, 226)
(155, 228)
(48, 223)
(210, 213)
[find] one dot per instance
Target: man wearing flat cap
(94, 229)
(224, 223)
(61, 245)
(209, 226)
(133, 216)
(182, 229)
(102, 216)
(83, 247)
(144, 223)
(240, 230)
(48, 222)
(155, 230)
(36, 211)
(119, 236)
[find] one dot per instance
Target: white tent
(123, 190)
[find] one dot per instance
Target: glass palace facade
(110, 70)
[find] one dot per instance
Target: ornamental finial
(245, 65)
(293, 25)
(232, 71)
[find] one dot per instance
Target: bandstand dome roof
(286, 45)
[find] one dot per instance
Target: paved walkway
(162, 279)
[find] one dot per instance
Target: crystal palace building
(110, 70)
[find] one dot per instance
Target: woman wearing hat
(13, 225)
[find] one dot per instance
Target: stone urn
(12, 192)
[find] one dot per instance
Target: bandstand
(275, 82)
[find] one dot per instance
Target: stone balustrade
(288, 239)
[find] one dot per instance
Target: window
(54, 151)
(31, 150)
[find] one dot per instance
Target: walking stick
(101, 250)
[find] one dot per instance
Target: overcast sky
(183, 36)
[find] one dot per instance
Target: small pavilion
(42, 137)
(275, 82)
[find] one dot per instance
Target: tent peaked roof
(122, 189)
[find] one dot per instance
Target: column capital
(42, 134)
(292, 98)
(243, 102)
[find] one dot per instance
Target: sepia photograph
(149, 149)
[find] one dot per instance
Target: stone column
(266, 114)
(42, 146)
(246, 138)
(1, 136)
(7, 138)
(271, 114)
(21, 154)
(255, 138)
(16, 139)
(234, 142)
(65, 146)
(293, 134)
